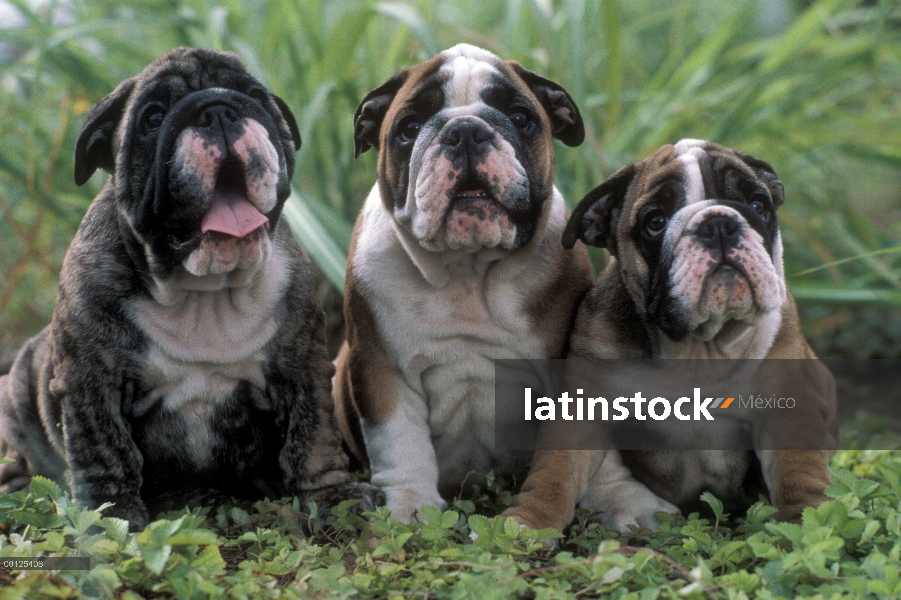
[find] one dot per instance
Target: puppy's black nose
(466, 136)
(221, 113)
(718, 232)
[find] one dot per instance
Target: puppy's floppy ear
(557, 103)
(767, 175)
(94, 148)
(592, 219)
(289, 119)
(371, 112)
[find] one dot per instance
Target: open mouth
(729, 267)
(471, 189)
(472, 194)
(231, 212)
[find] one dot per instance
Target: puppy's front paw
(369, 497)
(631, 503)
(526, 518)
(132, 510)
(792, 512)
(405, 504)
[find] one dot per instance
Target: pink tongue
(232, 214)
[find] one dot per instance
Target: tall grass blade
(316, 240)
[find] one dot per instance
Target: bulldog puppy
(695, 272)
(455, 261)
(186, 351)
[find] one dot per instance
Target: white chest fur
(444, 319)
(206, 334)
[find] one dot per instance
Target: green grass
(846, 548)
(816, 92)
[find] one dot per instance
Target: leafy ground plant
(848, 547)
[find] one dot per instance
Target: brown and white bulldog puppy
(695, 273)
(455, 261)
(186, 356)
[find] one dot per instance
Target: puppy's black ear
(767, 175)
(94, 148)
(557, 103)
(289, 119)
(371, 112)
(592, 220)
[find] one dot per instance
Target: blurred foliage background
(813, 88)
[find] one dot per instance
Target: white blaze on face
(468, 70)
(689, 153)
(710, 296)
(438, 219)
(197, 166)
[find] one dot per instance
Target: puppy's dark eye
(259, 95)
(153, 118)
(758, 203)
(409, 129)
(520, 119)
(655, 222)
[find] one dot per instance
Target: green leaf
(42, 487)
(239, 516)
(760, 512)
(480, 525)
(870, 530)
(511, 528)
(37, 519)
(449, 519)
(155, 558)
(160, 531)
(103, 546)
(613, 574)
(467, 507)
(716, 505)
(106, 574)
(829, 514)
(116, 528)
(547, 533)
(192, 537)
(209, 558)
(430, 514)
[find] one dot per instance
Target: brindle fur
(67, 408)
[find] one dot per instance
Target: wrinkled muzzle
(467, 185)
(226, 164)
(720, 270)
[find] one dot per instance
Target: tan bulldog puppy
(695, 273)
(455, 261)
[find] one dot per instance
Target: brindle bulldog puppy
(186, 351)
